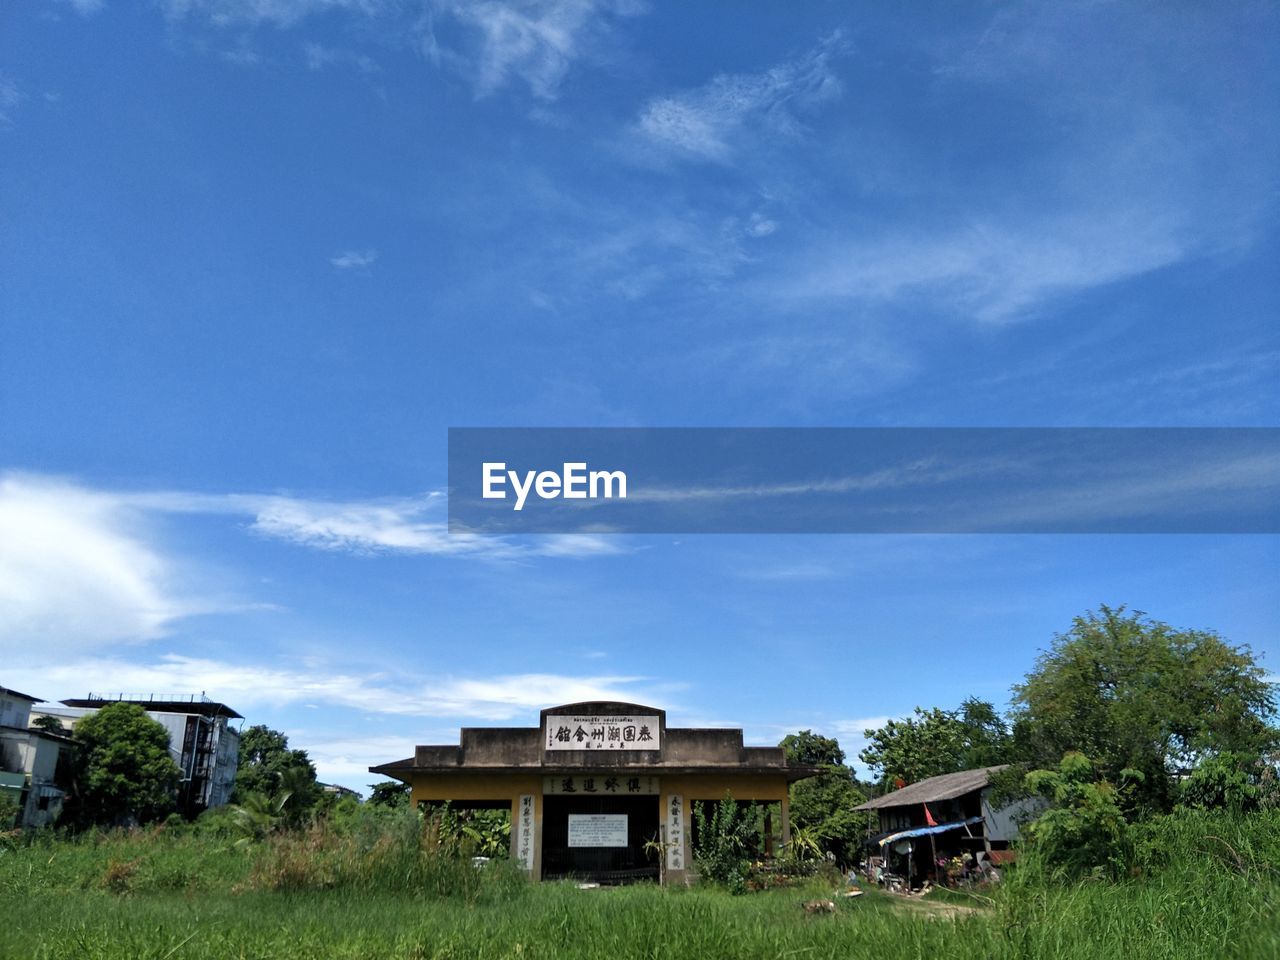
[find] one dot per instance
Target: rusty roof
(945, 787)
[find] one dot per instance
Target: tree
(122, 768)
(822, 807)
(270, 769)
(934, 742)
(1084, 831)
(389, 793)
(49, 725)
(1134, 693)
(811, 749)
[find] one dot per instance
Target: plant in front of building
(723, 841)
(122, 771)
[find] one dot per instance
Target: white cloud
(706, 123)
(281, 13)
(85, 7)
(319, 57)
(247, 685)
(10, 97)
(357, 259)
(405, 526)
(86, 568)
(77, 569)
(532, 41)
(998, 271)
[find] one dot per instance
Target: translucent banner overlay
(864, 480)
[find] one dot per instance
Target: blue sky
(256, 256)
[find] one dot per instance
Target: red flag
(928, 817)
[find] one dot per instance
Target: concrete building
(595, 782)
(29, 761)
(202, 741)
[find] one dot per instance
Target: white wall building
(28, 761)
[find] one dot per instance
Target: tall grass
(1206, 887)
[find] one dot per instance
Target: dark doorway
(599, 864)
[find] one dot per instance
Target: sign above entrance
(602, 733)
(597, 830)
(605, 783)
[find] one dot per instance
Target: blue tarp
(925, 831)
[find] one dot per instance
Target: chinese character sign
(602, 733)
(675, 832)
(602, 785)
(524, 838)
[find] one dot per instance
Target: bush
(723, 847)
(1085, 831)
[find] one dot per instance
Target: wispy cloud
(280, 13)
(354, 259)
(413, 526)
(10, 97)
(535, 42)
(997, 270)
(86, 567)
(710, 122)
(85, 7)
(318, 57)
(249, 684)
(77, 569)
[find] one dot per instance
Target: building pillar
(526, 817)
(786, 822)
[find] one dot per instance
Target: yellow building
(594, 783)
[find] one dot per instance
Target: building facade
(202, 741)
(29, 762)
(599, 790)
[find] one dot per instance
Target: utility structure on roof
(600, 790)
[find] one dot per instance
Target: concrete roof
(946, 787)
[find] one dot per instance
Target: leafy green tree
(1134, 693)
(269, 768)
(934, 742)
(389, 793)
(1227, 781)
(122, 770)
(50, 725)
(822, 807)
(1084, 831)
(812, 749)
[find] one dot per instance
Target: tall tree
(268, 767)
(824, 805)
(933, 742)
(1131, 692)
(812, 749)
(123, 771)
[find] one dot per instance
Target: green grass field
(174, 894)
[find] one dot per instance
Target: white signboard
(609, 784)
(597, 829)
(602, 733)
(524, 835)
(675, 832)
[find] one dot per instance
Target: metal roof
(15, 693)
(203, 707)
(946, 787)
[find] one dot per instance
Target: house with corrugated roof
(927, 824)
